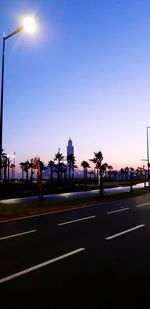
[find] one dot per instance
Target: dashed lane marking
(25, 271)
(19, 234)
(117, 210)
(124, 232)
(73, 221)
(142, 205)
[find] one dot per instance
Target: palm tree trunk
(69, 172)
(22, 174)
(5, 173)
(101, 183)
(51, 175)
(73, 172)
(131, 182)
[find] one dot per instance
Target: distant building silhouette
(70, 159)
(70, 148)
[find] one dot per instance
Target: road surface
(81, 258)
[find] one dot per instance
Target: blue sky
(84, 74)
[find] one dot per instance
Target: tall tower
(70, 159)
(70, 148)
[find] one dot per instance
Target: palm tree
(122, 172)
(42, 167)
(4, 163)
(27, 166)
(110, 168)
(61, 169)
(104, 167)
(22, 165)
(51, 164)
(59, 158)
(12, 166)
(33, 167)
(94, 161)
(126, 170)
(85, 166)
(115, 173)
(131, 169)
(138, 172)
(75, 168)
(98, 164)
(3, 154)
(90, 174)
(71, 165)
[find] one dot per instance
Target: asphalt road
(91, 257)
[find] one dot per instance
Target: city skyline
(84, 74)
(70, 151)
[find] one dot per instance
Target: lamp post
(8, 164)
(148, 164)
(29, 26)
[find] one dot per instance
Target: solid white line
(118, 210)
(25, 271)
(124, 232)
(68, 222)
(52, 212)
(19, 234)
(141, 205)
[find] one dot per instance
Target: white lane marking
(124, 232)
(19, 234)
(118, 210)
(141, 205)
(25, 271)
(68, 222)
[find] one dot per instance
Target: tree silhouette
(127, 170)
(131, 169)
(27, 166)
(12, 166)
(122, 172)
(32, 167)
(91, 173)
(51, 164)
(22, 164)
(110, 168)
(85, 166)
(42, 168)
(71, 165)
(59, 158)
(97, 160)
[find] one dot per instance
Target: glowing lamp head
(29, 24)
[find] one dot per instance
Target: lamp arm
(14, 32)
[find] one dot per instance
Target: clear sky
(84, 74)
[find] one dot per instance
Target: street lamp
(28, 26)
(148, 164)
(8, 164)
